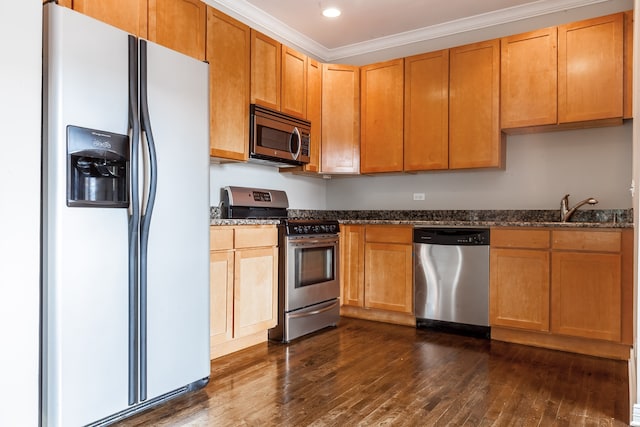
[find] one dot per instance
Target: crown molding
(258, 19)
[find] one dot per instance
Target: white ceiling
(369, 25)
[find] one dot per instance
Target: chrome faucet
(566, 213)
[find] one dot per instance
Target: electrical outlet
(418, 196)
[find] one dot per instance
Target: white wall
(540, 169)
(21, 52)
(303, 192)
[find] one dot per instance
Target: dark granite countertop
(220, 221)
(603, 218)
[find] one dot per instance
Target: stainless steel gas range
(308, 273)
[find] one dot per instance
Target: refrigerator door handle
(146, 215)
(134, 221)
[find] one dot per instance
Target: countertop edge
(422, 223)
(418, 223)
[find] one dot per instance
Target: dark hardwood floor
(372, 374)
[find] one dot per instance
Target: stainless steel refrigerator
(125, 282)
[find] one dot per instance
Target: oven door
(312, 274)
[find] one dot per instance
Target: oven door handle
(312, 241)
(312, 313)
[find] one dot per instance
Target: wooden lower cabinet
(352, 265)
(377, 273)
(243, 286)
(586, 295)
(519, 292)
(567, 289)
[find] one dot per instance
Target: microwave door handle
(295, 135)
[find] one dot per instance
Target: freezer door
(178, 250)
(85, 287)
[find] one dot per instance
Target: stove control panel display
(302, 227)
(261, 196)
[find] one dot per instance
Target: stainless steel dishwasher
(451, 279)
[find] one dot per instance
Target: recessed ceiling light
(331, 12)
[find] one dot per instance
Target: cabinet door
(255, 290)
(475, 140)
(519, 288)
(628, 65)
(586, 295)
(266, 63)
(228, 44)
(340, 119)
(314, 113)
(590, 64)
(128, 15)
(221, 296)
(381, 109)
(352, 265)
(179, 25)
(389, 277)
(294, 83)
(529, 79)
(426, 111)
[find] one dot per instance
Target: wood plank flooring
(373, 374)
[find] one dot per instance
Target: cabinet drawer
(604, 241)
(220, 238)
(389, 234)
(520, 238)
(252, 237)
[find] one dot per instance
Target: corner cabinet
(228, 53)
(244, 286)
(475, 140)
(314, 113)
(340, 152)
(382, 113)
(566, 289)
(377, 273)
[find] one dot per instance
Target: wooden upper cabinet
(426, 111)
(266, 63)
(179, 25)
(228, 53)
(128, 15)
(628, 65)
(475, 140)
(294, 83)
(340, 119)
(314, 113)
(590, 69)
(381, 109)
(528, 93)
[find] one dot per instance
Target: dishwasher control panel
(452, 236)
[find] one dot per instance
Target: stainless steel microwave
(278, 139)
